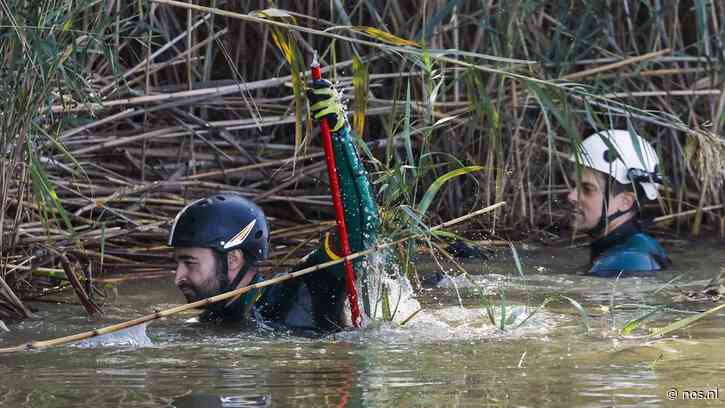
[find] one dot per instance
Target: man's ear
(625, 201)
(235, 262)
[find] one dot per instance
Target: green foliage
(286, 43)
(360, 82)
(439, 182)
(43, 63)
(684, 323)
(636, 322)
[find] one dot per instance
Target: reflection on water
(221, 401)
(447, 355)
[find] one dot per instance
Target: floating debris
(714, 291)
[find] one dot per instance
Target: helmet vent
(610, 156)
(223, 222)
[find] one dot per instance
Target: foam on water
(444, 323)
(454, 323)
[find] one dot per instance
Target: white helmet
(623, 155)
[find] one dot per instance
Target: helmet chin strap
(604, 219)
(240, 275)
(219, 307)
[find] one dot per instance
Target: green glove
(325, 101)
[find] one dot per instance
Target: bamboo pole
(37, 345)
(687, 213)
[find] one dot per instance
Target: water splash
(446, 323)
(389, 292)
(133, 336)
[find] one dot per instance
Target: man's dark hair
(220, 263)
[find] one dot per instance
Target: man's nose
(179, 274)
(572, 197)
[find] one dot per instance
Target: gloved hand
(325, 101)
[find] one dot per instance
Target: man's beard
(210, 287)
(571, 215)
(578, 222)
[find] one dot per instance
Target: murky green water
(446, 355)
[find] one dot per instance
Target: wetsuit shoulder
(639, 254)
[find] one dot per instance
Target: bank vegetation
(113, 115)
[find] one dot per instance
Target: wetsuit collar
(617, 236)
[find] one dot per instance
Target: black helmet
(223, 222)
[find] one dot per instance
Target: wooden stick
(91, 125)
(618, 64)
(237, 292)
(14, 299)
(165, 97)
(686, 213)
(70, 273)
(687, 92)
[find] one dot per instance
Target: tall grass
(116, 113)
(44, 54)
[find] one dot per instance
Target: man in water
(219, 240)
(619, 172)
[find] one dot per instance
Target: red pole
(337, 201)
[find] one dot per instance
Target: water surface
(447, 355)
